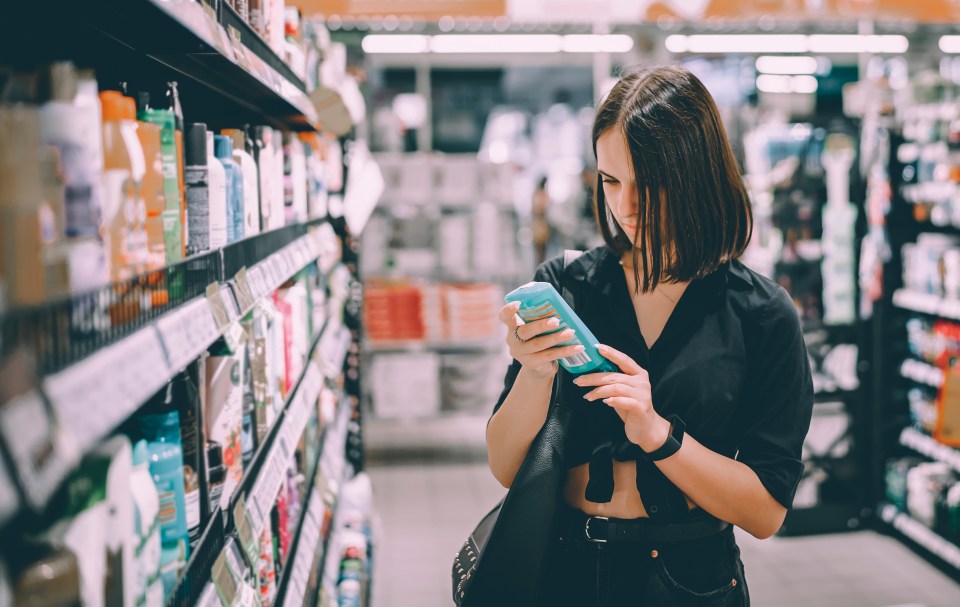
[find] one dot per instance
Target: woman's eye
(611, 181)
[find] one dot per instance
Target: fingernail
(553, 323)
(599, 346)
(578, 349)
(568, 333)
(606, 400)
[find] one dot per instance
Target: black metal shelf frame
(197, 573)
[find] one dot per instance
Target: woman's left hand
(629, 394)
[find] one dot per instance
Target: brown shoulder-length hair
(692, 195)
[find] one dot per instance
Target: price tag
(187, 331)
(220, 314)
(255, 280)
(31, 438)
(226, 574)
(209, 598)
(249, 538)
(245, 297)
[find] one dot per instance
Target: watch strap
(674, 441)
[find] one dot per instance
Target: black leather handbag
(501, 563)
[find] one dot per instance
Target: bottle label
(192, 502)
(167, 515)
(81, 192)
(197, 194)
(216, 492)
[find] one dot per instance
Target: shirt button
(653, 509)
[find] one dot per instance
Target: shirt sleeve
(779, 399)
(549, 271)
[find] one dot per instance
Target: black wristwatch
(677, 430)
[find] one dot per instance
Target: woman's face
(619, 185)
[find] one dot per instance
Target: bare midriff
(626, 502)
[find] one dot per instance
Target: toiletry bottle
(162, 432)
(277, 214)
(219, 200)
(75, 133)
(176, 109)
(171, 213)
(263, 154)
(539, 300)
(216, 475)
(234, 179)
(26, 221)
(249, 430)
(154, 197)
(149, 587)
(196, 177)
(251, 185)
(123, 207)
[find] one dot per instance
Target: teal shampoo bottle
(539, 300)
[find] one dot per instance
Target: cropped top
(730, 361)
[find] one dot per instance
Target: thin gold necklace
(659, 290)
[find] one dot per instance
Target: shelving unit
(928, 447)
(920, 534)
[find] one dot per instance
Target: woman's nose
(629, 201)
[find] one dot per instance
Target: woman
(702, 429)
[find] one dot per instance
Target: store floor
(432, 485)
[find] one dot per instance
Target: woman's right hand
(538, 353)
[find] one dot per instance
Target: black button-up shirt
(731, 362)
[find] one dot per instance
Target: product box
(185, 398)
(223, 415)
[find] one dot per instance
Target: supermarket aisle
(428, 495)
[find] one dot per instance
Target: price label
(255, 280)
(220, 314)
(187, 332)
(209, 598)
(226, 574)
(245, 297)
(32, 440)
(249, 538)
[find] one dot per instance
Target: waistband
(579, 526)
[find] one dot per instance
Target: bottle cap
(143, 102)
(223, 147)
(111, 103)
(238, 138)
(195, 144)
(141, 455)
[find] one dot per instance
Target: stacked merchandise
(101, 187)
(929, 492)
(348, 572)
(393, 312)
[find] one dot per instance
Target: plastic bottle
(149, 588)
(216, 475)
(218, 197)
(75, 133)
(196, 178)
(251, 185)
(223, 146)
(162, 432)
(277, 213)
(123, 207)
(171, 213)
(539, 300)
(263, 154)
(178, 124)
(154, 197)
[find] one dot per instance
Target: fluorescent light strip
(594, 43)
(493, 43)
(786, 43)
(497, 43)
(786, 65)
(773, 83)
(950, 44)
(395, 44)
(858, 44)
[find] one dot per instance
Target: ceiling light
(786, 65)
(493, 43)
(774, 83)
(747, 43)
(853, 43)
(388, 44)
(950, 44)
(593, 43)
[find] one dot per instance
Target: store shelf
(921, 534)
(922, 373)
(212, 48)
(257, 492)
(927, 303)
(927, 446)
(313, 541)
(95, 393)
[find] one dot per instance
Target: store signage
(427, 10)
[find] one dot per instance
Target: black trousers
(705, 572)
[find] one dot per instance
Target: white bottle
(251, 182)
(277, 217)
(839, 234)
(148, 589)
(218, 198)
